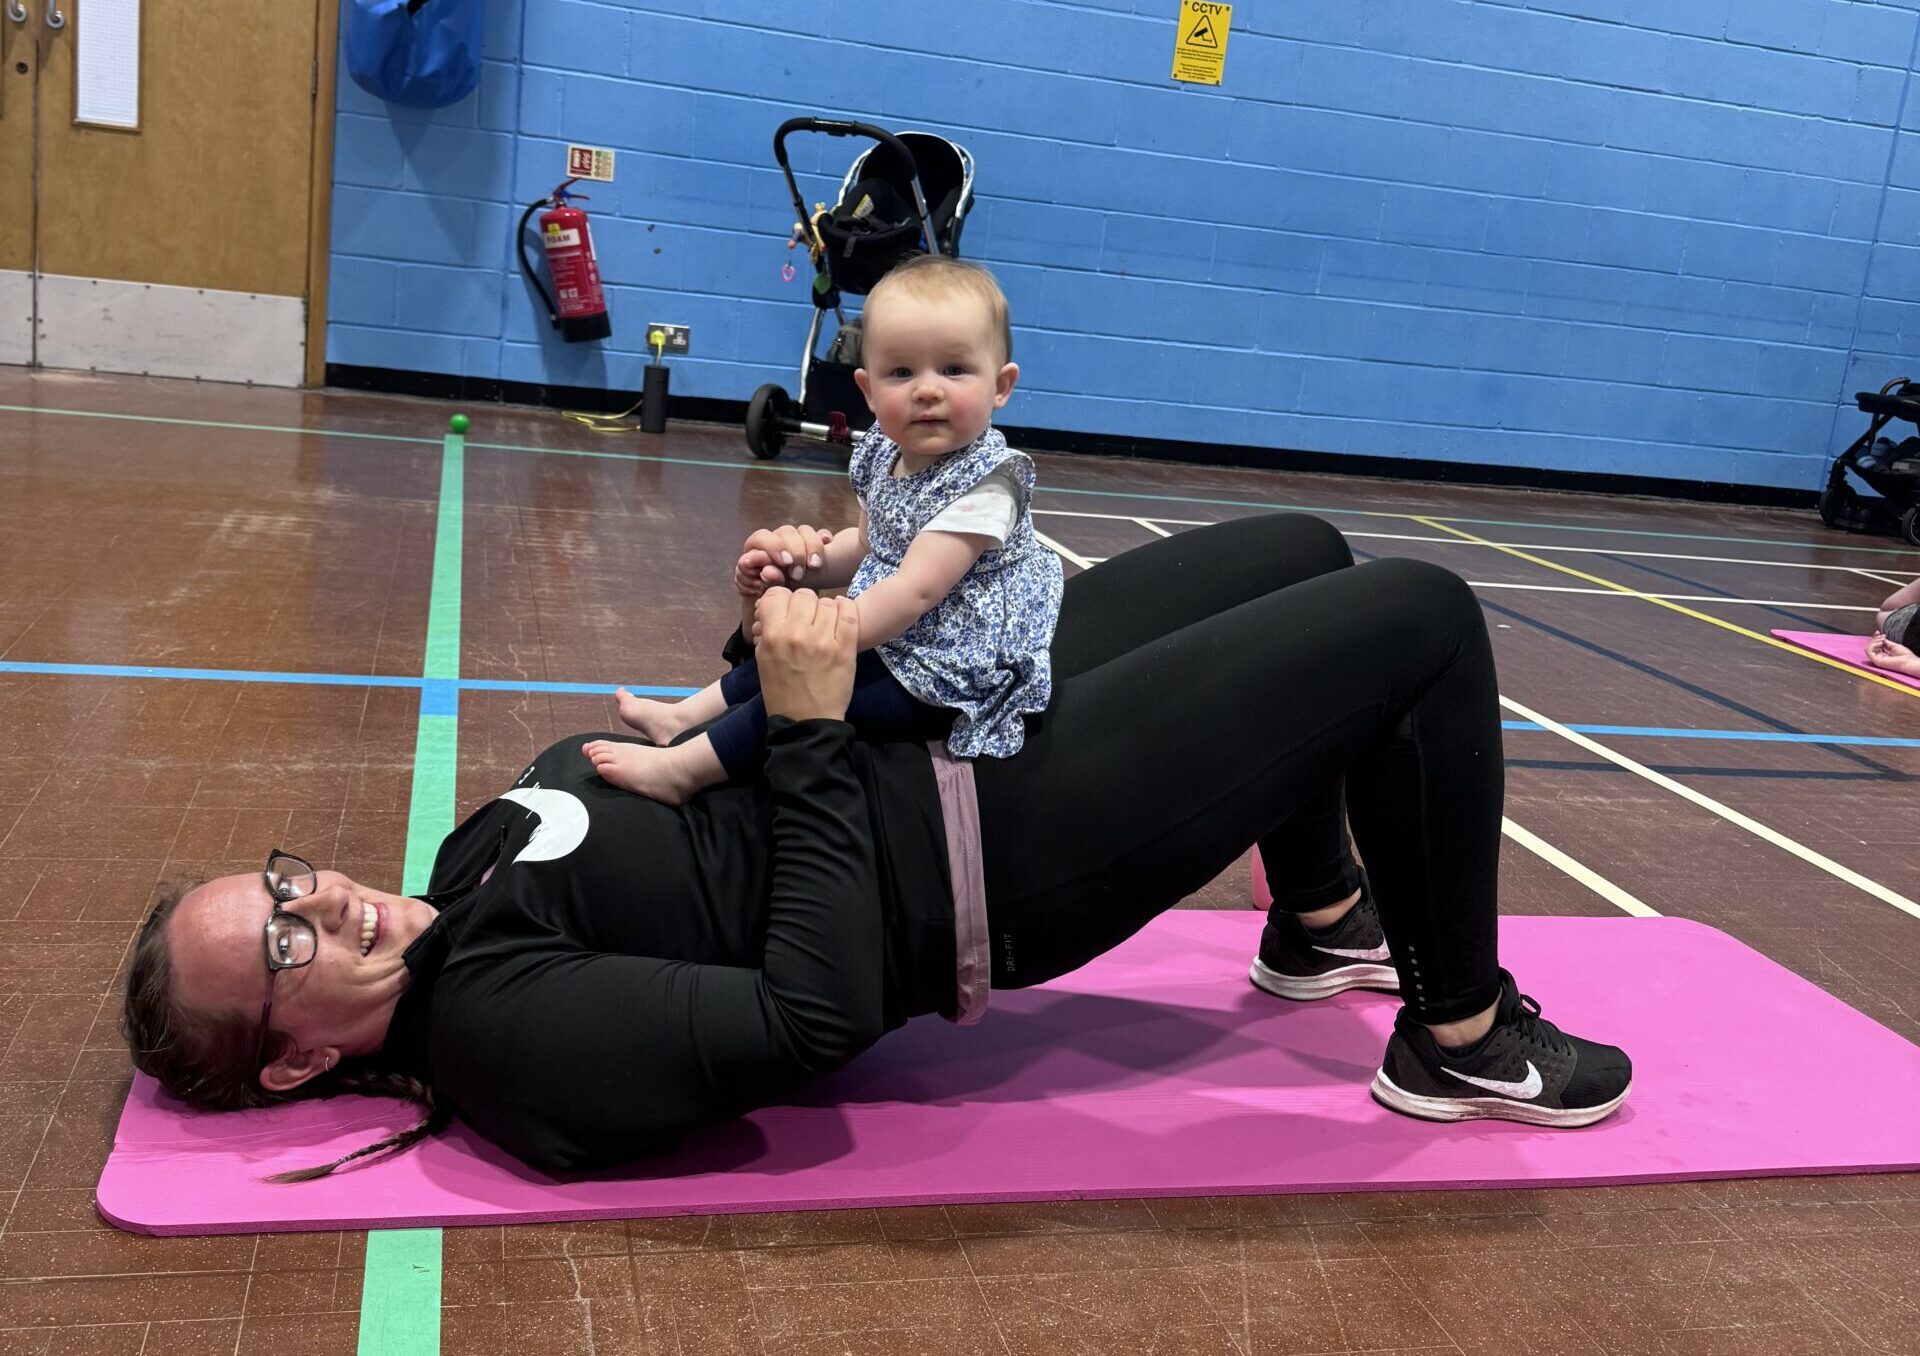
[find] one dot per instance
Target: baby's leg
(663, 721)
(671, 776)
(882, 709)
(739, 738)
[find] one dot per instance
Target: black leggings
(1226, 687)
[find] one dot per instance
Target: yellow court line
(1734, 627)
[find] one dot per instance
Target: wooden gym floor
(226, 534)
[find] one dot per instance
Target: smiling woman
(326, 953)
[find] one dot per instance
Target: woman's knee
(1296, 546)
(1425, 594)
(1318, 542)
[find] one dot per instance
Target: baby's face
(932, 371)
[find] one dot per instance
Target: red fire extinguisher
(577, 306)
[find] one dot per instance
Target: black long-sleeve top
(627, 971)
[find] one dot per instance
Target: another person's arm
(1886, 654)
(1899, 598)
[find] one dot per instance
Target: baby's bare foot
(658, 721)
(670, 776)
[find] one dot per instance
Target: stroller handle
(835, 127)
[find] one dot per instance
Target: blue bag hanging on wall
(423, 53)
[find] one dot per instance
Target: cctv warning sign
(1200, 42)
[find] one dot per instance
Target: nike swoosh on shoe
(1525, 1090)
(1372, 953)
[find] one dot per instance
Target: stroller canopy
(946, 177)
(874, 224)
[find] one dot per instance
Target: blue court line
(438, 698)
(1753, 736)
(1756, 774)
(436, 692)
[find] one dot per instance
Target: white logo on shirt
(562, 827)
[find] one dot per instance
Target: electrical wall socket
(679, 338)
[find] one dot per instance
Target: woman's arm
(576, 1060)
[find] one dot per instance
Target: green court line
(449, 539)
(400, 1304)
(212, 423)
(400, 1287)
(436, 750)
(1044, 489)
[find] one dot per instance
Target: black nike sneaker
(1299, 962)
(1525, 1069)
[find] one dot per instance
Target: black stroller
(1891, 469)
(907, 194)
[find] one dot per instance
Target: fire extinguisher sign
(590, 162)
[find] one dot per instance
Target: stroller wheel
(1910, 526)
(1839, 506)
(766, 412)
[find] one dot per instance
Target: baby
(956, 598)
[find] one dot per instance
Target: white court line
(1516, 545)
(1153, 527)
(1602, 551)
(1881, 578)
(1088, 562)
(1593, 880)
(1674, 597)
(1726, 812)
(1119, 517)
(1062, 551)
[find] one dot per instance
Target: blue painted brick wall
(1652, 237)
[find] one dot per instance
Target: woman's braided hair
(207, 1060)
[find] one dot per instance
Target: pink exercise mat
(1155, 1071)
(1849, 650)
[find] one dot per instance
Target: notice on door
(106, 66)
(1200, 42)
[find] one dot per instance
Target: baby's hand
(754, 572)
(790, 552)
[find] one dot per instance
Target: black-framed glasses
(290, 939)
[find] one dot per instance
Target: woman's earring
(330, 1059)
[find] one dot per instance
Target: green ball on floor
(457, 424)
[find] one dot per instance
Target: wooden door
(20, 27)
(184, 246)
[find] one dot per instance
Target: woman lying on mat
(593, 973)
(1896, 635)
